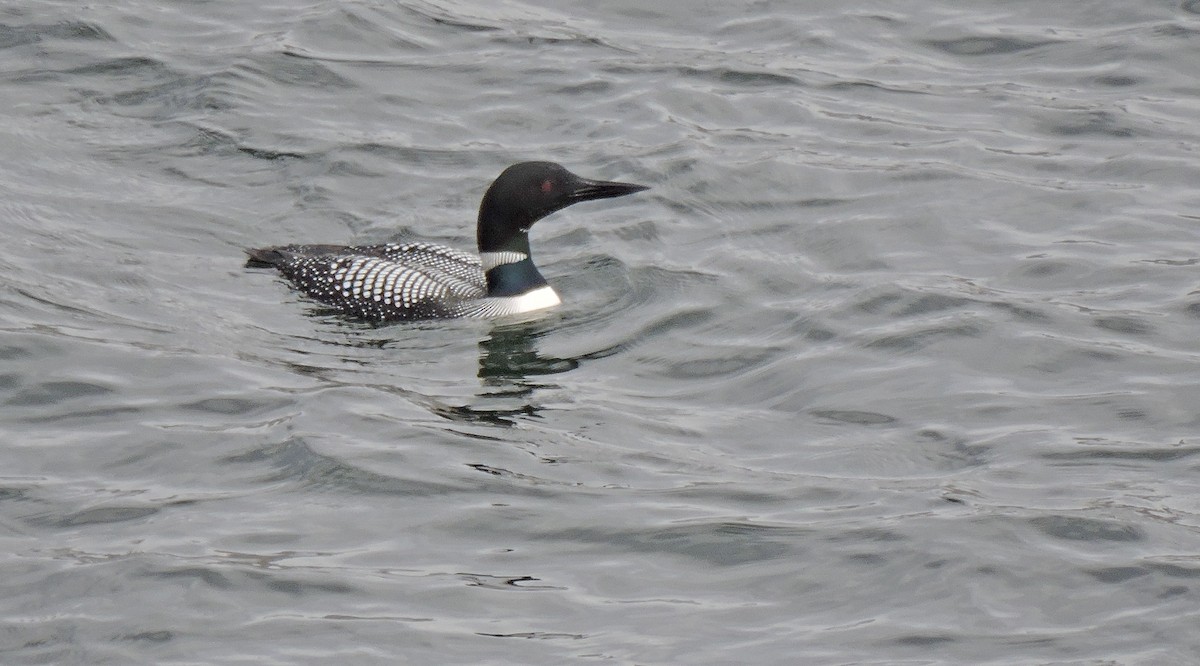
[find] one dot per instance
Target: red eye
(547, 185)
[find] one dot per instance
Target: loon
(408, 281)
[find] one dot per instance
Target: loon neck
(513, 278)
(509, 268)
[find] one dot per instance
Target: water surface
(896, 362)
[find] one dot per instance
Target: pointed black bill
(586, 190)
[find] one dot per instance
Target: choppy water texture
(896, 363)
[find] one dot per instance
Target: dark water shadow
(508, 356)
(512, 369)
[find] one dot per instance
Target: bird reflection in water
(508, 357)
(507, 360)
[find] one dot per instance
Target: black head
(526, 192)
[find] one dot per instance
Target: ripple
(1075, 123)
(107, 514)
(741, 78)
(53, 393)
(1074, 528)
(299, 465)
(14, 36)
(718, 544)
(1125, 325)
(853, 417)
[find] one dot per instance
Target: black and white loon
(399, 281)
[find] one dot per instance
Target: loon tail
(282, 255)
(266, 257)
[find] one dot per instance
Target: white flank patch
(537, 299)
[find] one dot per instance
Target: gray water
(895, 364)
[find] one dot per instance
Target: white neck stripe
(490, 260)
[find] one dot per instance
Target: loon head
(525, 193)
